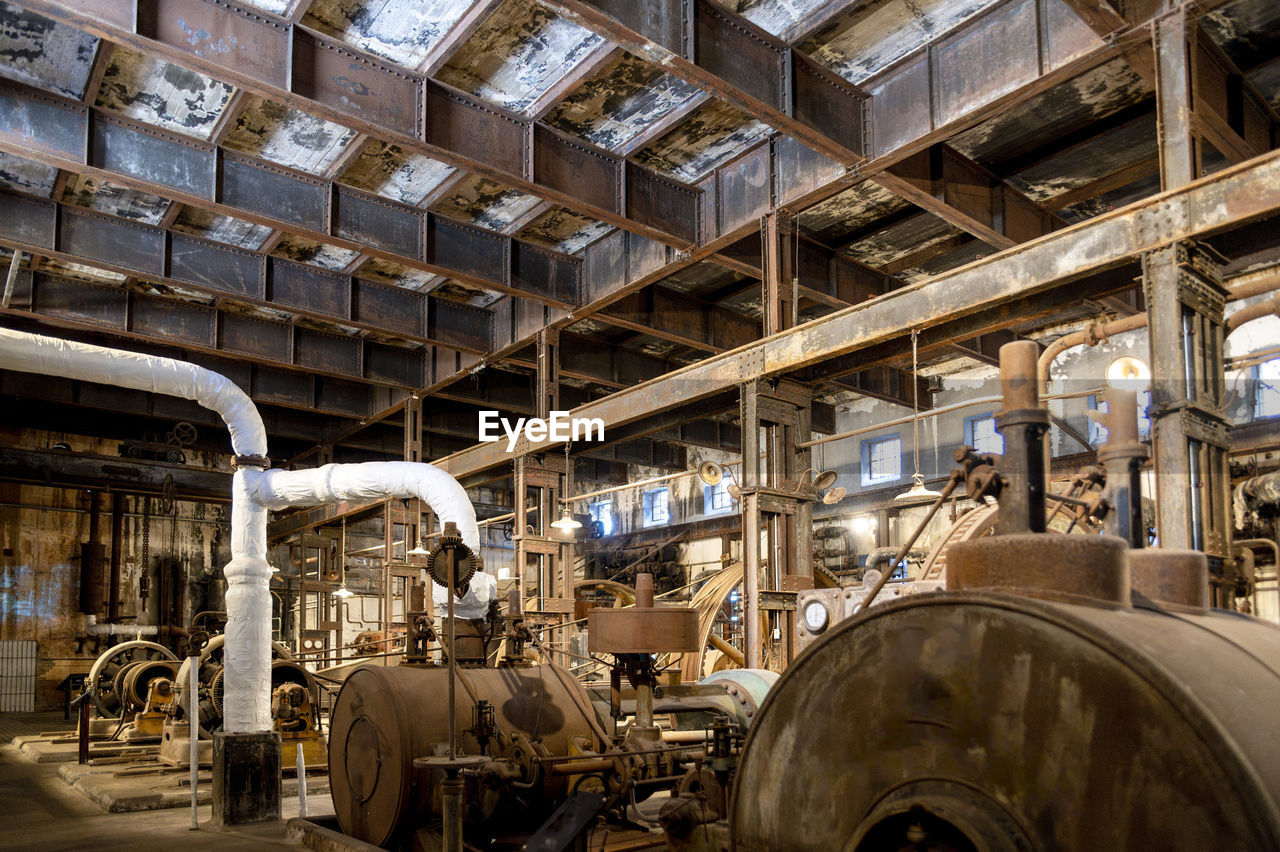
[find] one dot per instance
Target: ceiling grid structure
(514, 165)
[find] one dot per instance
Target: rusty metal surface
(1229, 197)
(282, 61)
(169, 165)
(643, 631)
(1043, 565)
(384, 718)
(1037, 726)
(1171, 577)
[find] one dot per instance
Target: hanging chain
(146, 533)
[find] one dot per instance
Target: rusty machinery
(295, 707)
(1066, 692)
(521, 748)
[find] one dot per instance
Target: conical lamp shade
(343, 592)
(917, 493)
(566, 522)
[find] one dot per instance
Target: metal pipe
(1239, 287)
(451, 790)
(193, 733)
(728, 650)
(637, 484)
(302, 783)
(1265, 308)
(934, 412)
(1092, 334)
(1023, 422)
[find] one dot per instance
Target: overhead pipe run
(254, 490)
(1239, 287)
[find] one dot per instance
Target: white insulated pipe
(247, 651)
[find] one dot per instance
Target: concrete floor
(39, 811)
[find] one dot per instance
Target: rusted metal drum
(384, 717)
(987, 720)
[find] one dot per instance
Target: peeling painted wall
(23, 175)
(713, 135)
(841, 214)
(158, 93)
(620, 102)
(403, 31)
(116, 200)
(519, 52)
(386, 272)
(881, 32)
(456, 291)
(565, 231)
(773, 16)
(222, 229)
(315, 253)
(274, 132)
(50, 56)
(1047, 117)
(389, 171)
(485, 202)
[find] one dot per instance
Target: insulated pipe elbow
(49, 356)
(333, 483)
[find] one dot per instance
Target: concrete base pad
(146, 785)
(65, 749)
(323, 834)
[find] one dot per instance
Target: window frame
(968, 432)
(866, 450)
(708, 497)
(646, 507)
(608, 510)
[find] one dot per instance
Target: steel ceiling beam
(70, 303)
(705, 44)
(1228, 198)
(288, 63)
(69, 136)
(223, 272)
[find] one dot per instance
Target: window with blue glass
(602, 513)
(1098, 432)
(1266, 389)
(716, 499)
(881, 460)
(980, 433)
(657, 507)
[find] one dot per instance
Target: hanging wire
(915, 402)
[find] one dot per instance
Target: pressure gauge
(815, 616)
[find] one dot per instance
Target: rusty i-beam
(1230, 197)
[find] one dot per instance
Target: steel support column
(1179, 148)
(1185, 299)
(777, 516)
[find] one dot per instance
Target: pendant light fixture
(567, 522)
(917, 493)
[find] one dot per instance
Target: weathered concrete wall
(41, 529)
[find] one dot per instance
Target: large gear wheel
(465, 562)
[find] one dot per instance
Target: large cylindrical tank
(986, 719)
(384, 717)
